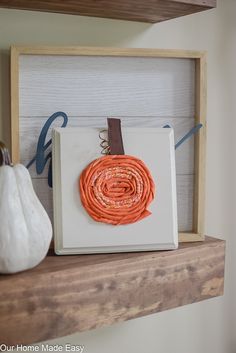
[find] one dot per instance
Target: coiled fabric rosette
(117, 189)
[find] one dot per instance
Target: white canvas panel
(75, 230)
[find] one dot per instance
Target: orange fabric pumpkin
(116, 189)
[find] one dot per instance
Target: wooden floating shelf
(64, 295)
(132, 10)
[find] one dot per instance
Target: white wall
(206, 327)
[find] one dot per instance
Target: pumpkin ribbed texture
(116, 189)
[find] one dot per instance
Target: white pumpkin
(25, 228)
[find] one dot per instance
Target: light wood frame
(197, 233)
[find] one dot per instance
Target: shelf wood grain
(150, 11)
(68, 294)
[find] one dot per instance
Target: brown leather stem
(115, 136)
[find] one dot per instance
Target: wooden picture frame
(197, 232)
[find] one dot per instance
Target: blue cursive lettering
(40, 158)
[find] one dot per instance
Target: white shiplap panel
(31, 127)
(185, 187)
(105, 86)
(184, 199)
(44, 193)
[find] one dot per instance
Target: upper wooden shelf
(67, 294)
(132, 10)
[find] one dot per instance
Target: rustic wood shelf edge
(132, 10)
(64, 295)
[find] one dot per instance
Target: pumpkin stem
(5, 158)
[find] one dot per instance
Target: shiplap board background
(143, 92)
